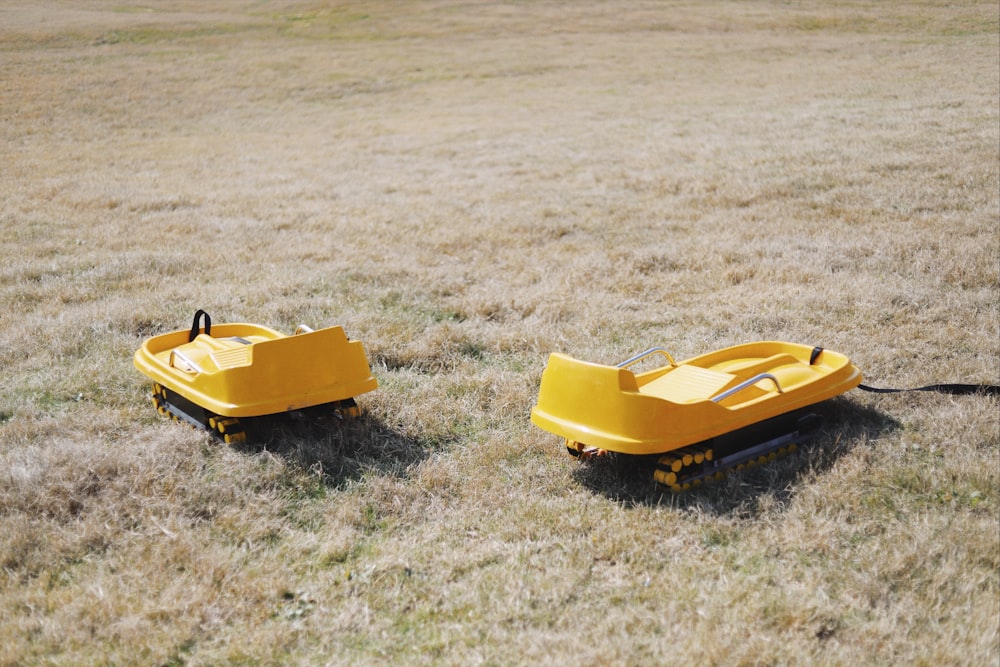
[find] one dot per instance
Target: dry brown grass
(467, 187)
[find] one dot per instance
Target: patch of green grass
(159, 35)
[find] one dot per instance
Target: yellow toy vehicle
(688, 412)
(213, 377)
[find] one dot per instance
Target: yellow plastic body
(246, 370)
(672, 406)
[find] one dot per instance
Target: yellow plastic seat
(676, 405)
(246, 370)
(686, 384)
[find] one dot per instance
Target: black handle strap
(956, 389)
(195, 329)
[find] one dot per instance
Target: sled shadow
(846, 425)
(339, 449)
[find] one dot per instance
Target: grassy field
(466, 188)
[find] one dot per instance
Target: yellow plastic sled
(212, 376)
(681, 407)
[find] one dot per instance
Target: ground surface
(466, 188)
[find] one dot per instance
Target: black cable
(956, 389)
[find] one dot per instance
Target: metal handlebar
(748, 383)
(643, 355)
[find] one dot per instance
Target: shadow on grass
(341, 450)
(846, 425)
